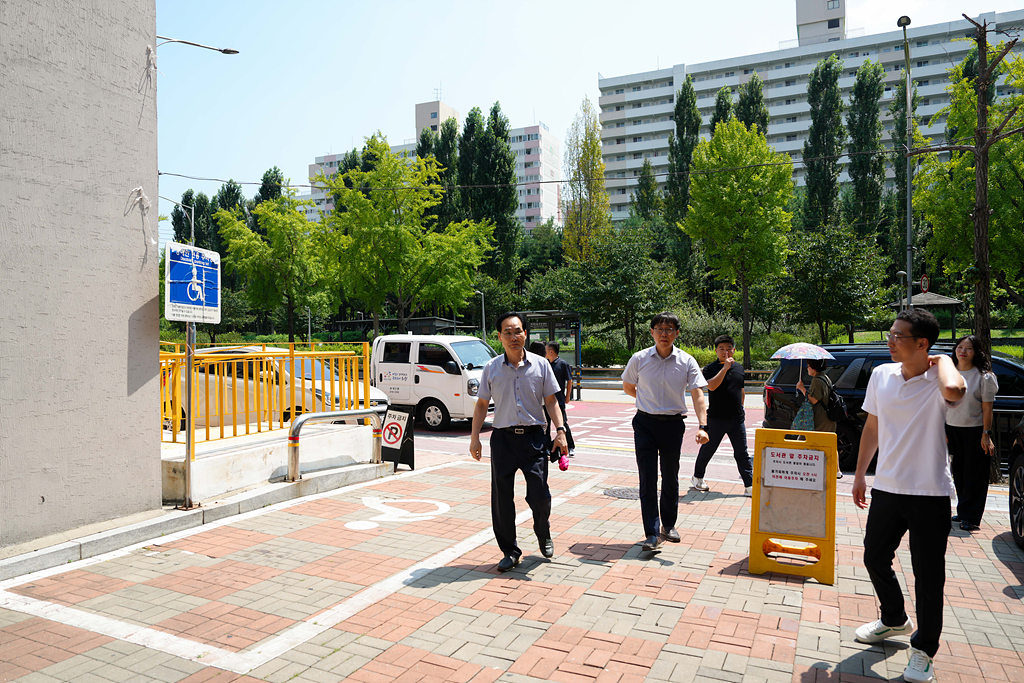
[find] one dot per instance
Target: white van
(438, 375)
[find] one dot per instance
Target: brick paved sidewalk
(358, 585)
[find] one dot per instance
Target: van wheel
(168, 424)
(287, 417)
(435, 416)
(1017, 499)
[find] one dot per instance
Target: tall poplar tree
(723, 108)
(426, 144)
(585, 204)
(472, 130)
(498, 199)
(681, 144)
(751, 108)
(825, 141)
(446, 151)
(867, 164)
(646, 203)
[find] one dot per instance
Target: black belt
(522, 429)
(663, 418)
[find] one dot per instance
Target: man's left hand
(701, 437)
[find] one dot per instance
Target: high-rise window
(832, 4)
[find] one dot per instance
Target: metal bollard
(293, 435)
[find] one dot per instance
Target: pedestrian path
(395, 580)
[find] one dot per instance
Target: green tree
(280, 268)
(681, 144)
(541, 250)
(585, 204)
(271, 185)
(898, 111)
(646, 203)
(867, 163)
(446, 151)
(381, 250)
(751, 108)
(426, 144)
(738, 198)
(723, 108)
(825, 141)
(472, 130)
(497, 199)
(836, 278)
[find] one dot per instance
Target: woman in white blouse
(969, 432)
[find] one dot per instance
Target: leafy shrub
(699, 328)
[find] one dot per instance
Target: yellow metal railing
(238, 390)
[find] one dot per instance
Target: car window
(473, 353)
(848, 379)
(789, 372)
(396, 352)
(433, 354)
(869, 365)
(1010, 377)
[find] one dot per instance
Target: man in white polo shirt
(906, 402)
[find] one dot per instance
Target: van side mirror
(452, 368)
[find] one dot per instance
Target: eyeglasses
(895, 336)
(512, 333)
(664, 330)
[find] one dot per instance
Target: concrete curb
(179, 520)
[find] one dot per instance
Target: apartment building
(636, 109)
(538, 163)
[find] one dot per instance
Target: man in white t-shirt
(906, 402)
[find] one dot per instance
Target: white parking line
(245, 661)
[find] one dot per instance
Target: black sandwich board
(397, 438)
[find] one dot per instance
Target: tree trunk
(291, 319)
(849, 329)
(981, 213)
(744, 287)
(376, 324)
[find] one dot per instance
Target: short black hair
(537, 348)
(553, 345)
(819, 364)
(665, 317)
(724, 339)
(512, 314)
(922, 323)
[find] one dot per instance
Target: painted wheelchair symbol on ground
(391, 513)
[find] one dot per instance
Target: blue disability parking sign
(191, 284)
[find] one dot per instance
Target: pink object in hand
(563, 462)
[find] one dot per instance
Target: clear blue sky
(314, 78)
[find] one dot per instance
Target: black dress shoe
(967, 526)
(670, 535)
(508, 563)
(547, 547)
(652, 544)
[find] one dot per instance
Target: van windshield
(474, 353)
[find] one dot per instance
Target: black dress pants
(511, 453)
(890, 516)
(970, 467)
(658, 442)
(736, 429)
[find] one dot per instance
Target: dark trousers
(927, 518)
(736, 429)
(970, 468)
(511, 453)
(658, 441)
(565, 423)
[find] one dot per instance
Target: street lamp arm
(225, 50)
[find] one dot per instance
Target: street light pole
(224, 50)
(903, 23)
(483, 316)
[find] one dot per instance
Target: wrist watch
(987, 432)
(559, 429)
(702, 427)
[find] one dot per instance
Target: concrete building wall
(432, 115)
(79, 332)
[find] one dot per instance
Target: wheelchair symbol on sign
(391, 513)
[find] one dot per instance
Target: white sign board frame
(794, 468)
(191, 284)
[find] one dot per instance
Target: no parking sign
(397, 438)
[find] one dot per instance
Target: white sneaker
(876, 631)
(748, 491)
(698, 484)
(920, 669)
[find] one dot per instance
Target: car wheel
(848, 439)
(1017, 499)
(287, 417)
(435, 416)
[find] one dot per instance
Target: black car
(1017, 485)
(849, 373)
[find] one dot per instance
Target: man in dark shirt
(725, 415)
(563, 375)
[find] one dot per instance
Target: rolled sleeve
(632, 372)
(484, 392)
(870, 404)
(694, 376)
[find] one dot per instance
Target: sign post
(397, 438)
(191, 295)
